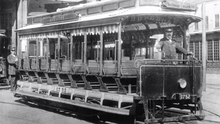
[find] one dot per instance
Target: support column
(204, 44)
(57, 57)
(85, 51)
(101, 51)
(22, 13)
(47, 56)
(185, 44)
(20, 19)
(37, 51)
(119, 50)
(71, 53)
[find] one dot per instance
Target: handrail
(140, 62)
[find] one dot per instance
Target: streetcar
(100, 57)
(4, 51)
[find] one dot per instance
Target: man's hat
(12, 49)
(168, 30)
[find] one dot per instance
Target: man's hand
(190, 54)
(16, 59)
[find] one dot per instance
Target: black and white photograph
(109, 61)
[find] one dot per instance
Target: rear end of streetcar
(171, 92)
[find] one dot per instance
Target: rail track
(212, 121)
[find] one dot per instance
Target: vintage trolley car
(100, 57)
(4, 51)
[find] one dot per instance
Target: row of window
(213, 52)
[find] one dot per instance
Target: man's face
(13, 52)
(169, 34)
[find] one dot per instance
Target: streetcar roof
(152, 13)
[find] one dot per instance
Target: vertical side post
(27, 55)
(101, 51)
(37, 51)
(119, 50)
(71, 52)
(19, 53)
(47, 55)
(185, 43)
(146, 110)
(204, 49)
(85, 51)
(58, 54)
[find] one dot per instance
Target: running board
(97, 107)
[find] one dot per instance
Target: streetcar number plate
(184, 96)
(180, 96)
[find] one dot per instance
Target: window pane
(143, 51)
(200, 43)
(196, 26)
(197, 49)
(191, 47)
(137, 52)
(217, 20)
(210, 52)
(216, 50)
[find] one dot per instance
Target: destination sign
(178, 5)
(59, 17)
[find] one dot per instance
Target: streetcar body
(86, 57)
(4, 46)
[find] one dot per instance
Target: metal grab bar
(163, 54)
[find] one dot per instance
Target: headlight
(182, 83)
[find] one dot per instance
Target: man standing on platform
(12, 69)
(169, 47)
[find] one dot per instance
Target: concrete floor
(13, 111)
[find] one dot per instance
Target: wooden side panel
(78, 67)
(33, 64)
(65, 66)
(109, 68)
(53, 65)
(26, 64)
(43, 64)
(128, 68)
(93, 67)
